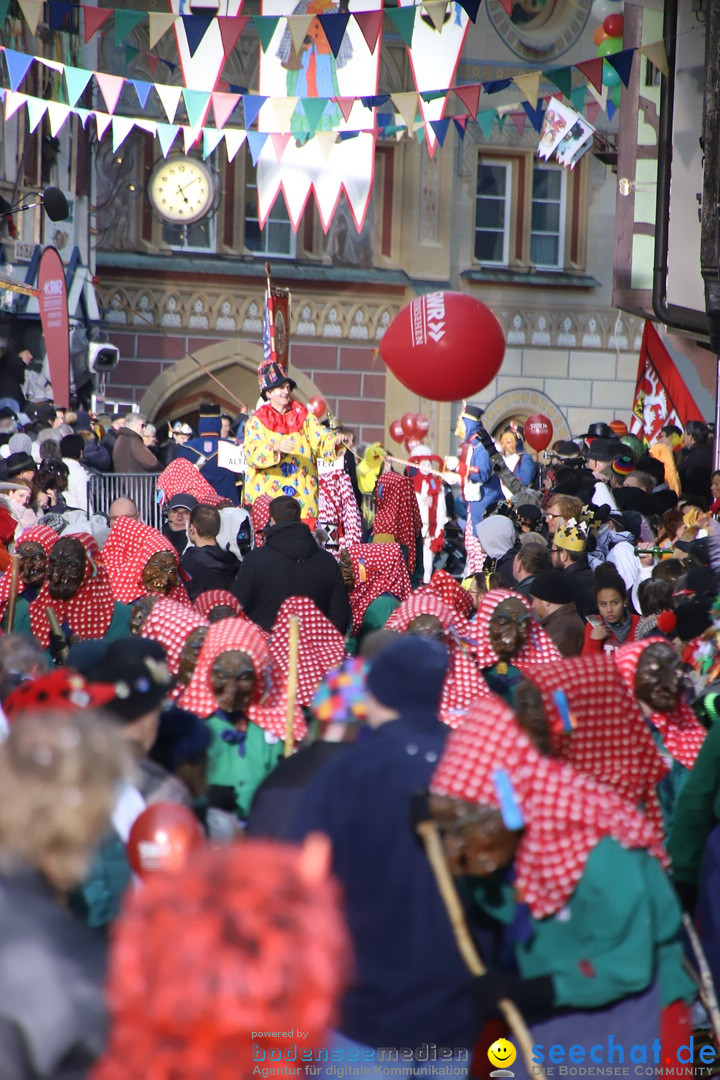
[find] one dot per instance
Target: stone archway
(521, 403)
(223, 374)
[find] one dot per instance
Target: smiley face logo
(502, 1054)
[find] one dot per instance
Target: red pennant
(470, 97)
(592, 109)
(370, 23)
(346, 104)
(518, 120)
(153, 62)
(94, 18)
(593, 72)
(231, 27)
(279, 142)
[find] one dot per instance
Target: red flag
(661, 396)
(54, 319)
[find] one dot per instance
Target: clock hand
(193, 181)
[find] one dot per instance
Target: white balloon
(602, 8)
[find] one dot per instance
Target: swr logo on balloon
(428, 318)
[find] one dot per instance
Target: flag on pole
(661, 396)
(276, 336)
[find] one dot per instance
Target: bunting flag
(166, 136)
(284, 109)
(234, 139)
(160, 23)
(121, 128)
(125, 23)
(110, 87)
(17, 65)
(142, 89)
(370, 23)
(223, 105)
(201, 49)
(434, 56)
(529, 87)
(593, 72)
(403, 19)
(32, 10)
(231, 27)
(57, 115)
(93, 19)
(657, 55)
(622, 62)
(13, 102)
(211, 138)
(661, 395)
(170, 99)
(36, 109)
(470, 97)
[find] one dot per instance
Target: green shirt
(696, 811)
(616, 933)
(243, 772)
(376, 615)
(119, 624)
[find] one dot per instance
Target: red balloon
(538, 432)
(422, 425)
(444, 346)
(613, 26)
(162, 837)
(409, 424)
(317, 406)
(396, 431)
(411, 442)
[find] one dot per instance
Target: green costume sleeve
(696, 812)
(243, 772)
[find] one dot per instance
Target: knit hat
(623, 465)
(83, 422)
(341, 697)
(551, 586)
(17, 463)
(409, 675)
(603, 449)
(618, 427)
(571, 535)
(271, 375)
(137, 669)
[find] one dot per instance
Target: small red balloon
(162, 837)
(409, 424)
(317, 406)
(538, 432)
(444, 346)
(613, 26)
(422, 425)
(396, 431)
(411, 442)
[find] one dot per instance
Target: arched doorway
(518, 405)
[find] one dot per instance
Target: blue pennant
(196, 26)
(252, 104)
(17, 65)
(535, 116)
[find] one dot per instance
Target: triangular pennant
(131, 55)
(370, 23)
(326, 140)
(592, 70)
(611, 108)
(223, 105)
(32, 10)
(519, 120)
(54, 65)
(231, 27)
(436, 10)
(102, 122)
(313, 109)
(13, 102)
(657, 55)
(335, 26)
(440, 127)
(142, 89)
(529, 86)
(110, 88)
(60, 11)
(471, 8)
(36, 109)
(190, 137)
(160, 23)
(486, 119)
(121, 128)
(279, 143)
(461, 123)
(83, 115)
(535, 116)
(622, 62)
(502, 117)
(577, 96)
(125, 23)
(592, 109)
(211, 137)
(76, 79)
(600, 96)
(196, 26)
(57, 115)
(265, 26)
(234, 138)
(284, 109)
(562, 77)
(17, 65)
(433, 95)
(166, 136)
(93, 18)
(403, 19)
(494, 86)
(170, 98)
(420, 134)
(298, 25)
(252, 104)
(146, 125)
(256, 141)
(345, 105)
(407, 105)
(470, 97)
(196, 105)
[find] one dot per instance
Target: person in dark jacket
(290, 564)
(13, 368)
(205, 565)
(117, 423)
(697, 461)
(204, 452)
(569, 554)
(178, 510)
(554, 606)
(130, 454)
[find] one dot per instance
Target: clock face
(182, 190)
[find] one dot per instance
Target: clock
(182, 189)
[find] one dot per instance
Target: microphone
(55, 204)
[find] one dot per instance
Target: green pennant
(265, 26)
(196, 102)
(4, 5)
(577, 96)
(562, 77)
(486, 119)
(403, 19)
(501, 121)
(125, 23)
(432, 95)
(313, 109)
(131, 55)
(420, 133)
(76, 80)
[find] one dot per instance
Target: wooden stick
(292, 684)
(56, 631)
(14, 581)
(706, 985)
(436, 857)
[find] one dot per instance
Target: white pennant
(234, 138)
(58, 114)
(121, 128)
(170, 98)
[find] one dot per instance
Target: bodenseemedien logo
(501, 1054)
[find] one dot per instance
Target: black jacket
(291, 564)
(583, 583)
(696, 469)
(209, 567)
(12, 377)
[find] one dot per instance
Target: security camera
(102, 357)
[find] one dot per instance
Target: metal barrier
(104, 488)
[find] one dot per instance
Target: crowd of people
(321, 657)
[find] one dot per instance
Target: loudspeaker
(102, 357)
(55, 204)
